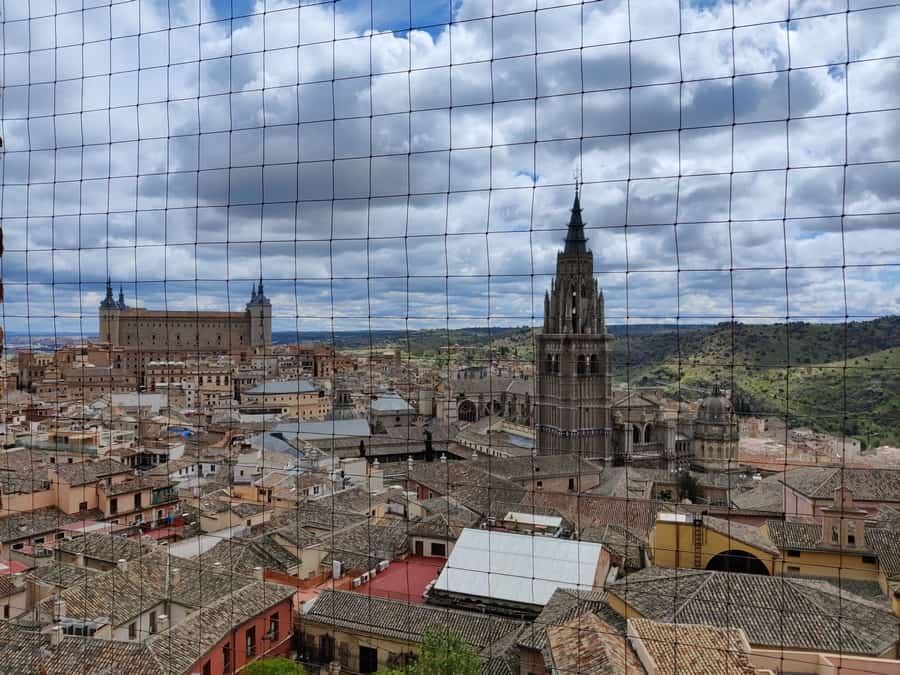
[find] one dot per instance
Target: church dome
(715, 408)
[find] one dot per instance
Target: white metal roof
(518, 567)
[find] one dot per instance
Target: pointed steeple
(109, 302)
(261, 294)
(575, 239)
(121, 298)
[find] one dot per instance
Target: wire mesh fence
(568, 326)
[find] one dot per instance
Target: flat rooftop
(404, 580)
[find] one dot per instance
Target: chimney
(122, 564)
(18, 580)
(259, 573)
(162, 623)
(59, 609)
(174, 576)
(443, 458)
(56, 636)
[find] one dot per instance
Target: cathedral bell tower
(574, 388)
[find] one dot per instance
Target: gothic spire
(575, 239)
(109, 302)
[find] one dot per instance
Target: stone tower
(574, 389)
(714, 445)
(109, 316)
(260, 311)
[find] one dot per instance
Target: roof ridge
(688, 598)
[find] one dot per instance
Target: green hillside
(832, 377)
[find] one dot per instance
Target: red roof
(404, 580)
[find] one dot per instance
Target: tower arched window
(582, 365)
(595, 365)
(574, 310)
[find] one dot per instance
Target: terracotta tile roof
(185, 643)
(795, 534)
(468, 484)
(619, 541)
(89, 472)
(243, 556)
(885, 542)
(136, 484)
(109, 548)
(587, 644)
(866, 484)
(82, 655)
(806, 534)
(402, 621)
(33, 523)
(61, 575)
(778, 612)
(7, 587)
(690, 649)
(564, 605)
(21, 648)
(541, 466)
(748, 534)
(175, 650)
(587, 510)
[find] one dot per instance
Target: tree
(276, 666)
(442, 652)
(688, 487)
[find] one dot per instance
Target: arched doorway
(648, 431)
(467, 411)
(737, 561)
(636, 437)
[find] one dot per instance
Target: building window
(439, 549)
(132, 631)
(571, 485)
(793, 553)
(83, 506)
(540, 485)
(5, 611)
(114, 505)
(869, 559)
(326, 649)
(251, 641)
(226, 658)
(152, 622)
(835, 536)
(207, 668)
(793, 570)
(274, 627)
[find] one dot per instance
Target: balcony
(163, 496)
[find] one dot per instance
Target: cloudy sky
(392, 164)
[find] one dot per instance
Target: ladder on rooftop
(698, 542)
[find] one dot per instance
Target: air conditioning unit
(365, 577)
(373, 572)
(383, 565)
(357, 582)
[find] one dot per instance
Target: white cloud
(427, 160)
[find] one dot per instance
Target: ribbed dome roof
(715, 408)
